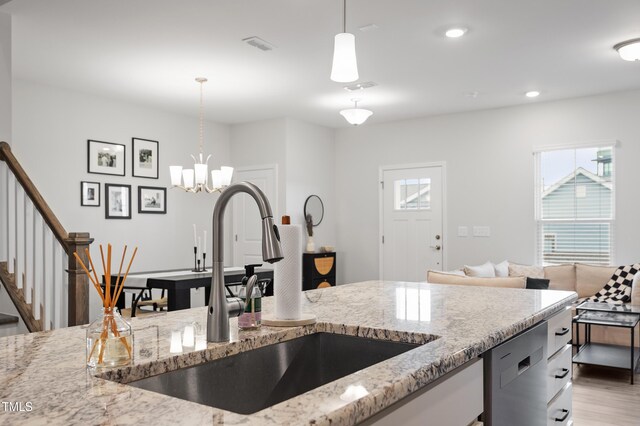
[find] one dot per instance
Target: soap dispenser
(252, 316)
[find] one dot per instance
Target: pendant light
(345, 65)
(355, 115)
(195, 180)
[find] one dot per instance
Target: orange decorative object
(324, 284)
(324, 264)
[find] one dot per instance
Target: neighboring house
(579, 211)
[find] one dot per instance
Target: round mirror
(313, 207)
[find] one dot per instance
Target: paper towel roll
(287, 285)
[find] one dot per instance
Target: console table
(179, 282)
(603, 314)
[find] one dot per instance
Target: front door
(247, 223)
(412, 240)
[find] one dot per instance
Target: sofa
(586, 280)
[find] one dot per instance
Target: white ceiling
(150, 51)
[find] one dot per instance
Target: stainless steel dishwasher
(515, 380)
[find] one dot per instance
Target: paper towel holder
(314, 207)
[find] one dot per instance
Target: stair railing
(37, 266)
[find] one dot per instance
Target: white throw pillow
(482, 271)
(461, 272)
(502, 269)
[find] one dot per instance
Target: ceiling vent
(259, 43)
(359, 86)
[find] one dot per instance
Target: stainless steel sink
(253, 380)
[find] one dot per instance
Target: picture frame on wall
(90, 194)
(117, 201)
(145, 158)
(106, 158)
(152, 200)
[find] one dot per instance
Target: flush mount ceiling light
(345, 65)
(355, 115)
(455, 32)
(532, 94)
(195, 180)
(629, 50)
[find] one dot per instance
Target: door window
(412, 194)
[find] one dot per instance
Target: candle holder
(204, 262)
(196, 268)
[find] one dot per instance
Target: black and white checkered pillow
(618, 289)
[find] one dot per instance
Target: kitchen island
(45, 372)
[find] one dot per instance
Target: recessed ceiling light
(455, 32)
(629, 50)
(532, 94)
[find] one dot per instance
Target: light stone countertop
(460, 322)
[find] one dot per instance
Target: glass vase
(109, 340)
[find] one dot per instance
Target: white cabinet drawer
(559, 411)
(559, 331)
(558, 371)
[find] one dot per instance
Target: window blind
(575, 199)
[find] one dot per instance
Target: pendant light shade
(355, 115)
(345, 64)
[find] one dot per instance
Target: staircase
(37, 267)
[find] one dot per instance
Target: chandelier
(196, 179)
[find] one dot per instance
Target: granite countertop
(459, 323)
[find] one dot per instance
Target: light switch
(481, 231)
(463, 231)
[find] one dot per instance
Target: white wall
(310, 156)
(51, 127)
(5, 77)
(5, 116)
(263, 143)
(305, 155)
(490, 175)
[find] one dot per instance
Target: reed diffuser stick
(109, 298)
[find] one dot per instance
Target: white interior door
(412, 239)
(247, 223)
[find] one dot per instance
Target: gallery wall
(51, 128)
(490, 175)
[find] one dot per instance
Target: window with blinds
(575, 205)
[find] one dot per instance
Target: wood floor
(603, 397)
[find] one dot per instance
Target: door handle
(436, 247)
(563, 331)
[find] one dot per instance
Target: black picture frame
(145, 158)
(152, 200)
(117, 201)
(89, 194)
(106, 158)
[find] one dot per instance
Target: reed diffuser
(109, 337)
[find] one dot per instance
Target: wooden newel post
(78, 303)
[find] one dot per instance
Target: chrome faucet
(220, 308)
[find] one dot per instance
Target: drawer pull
(564, 373)
(563, 331)
(565, 414)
